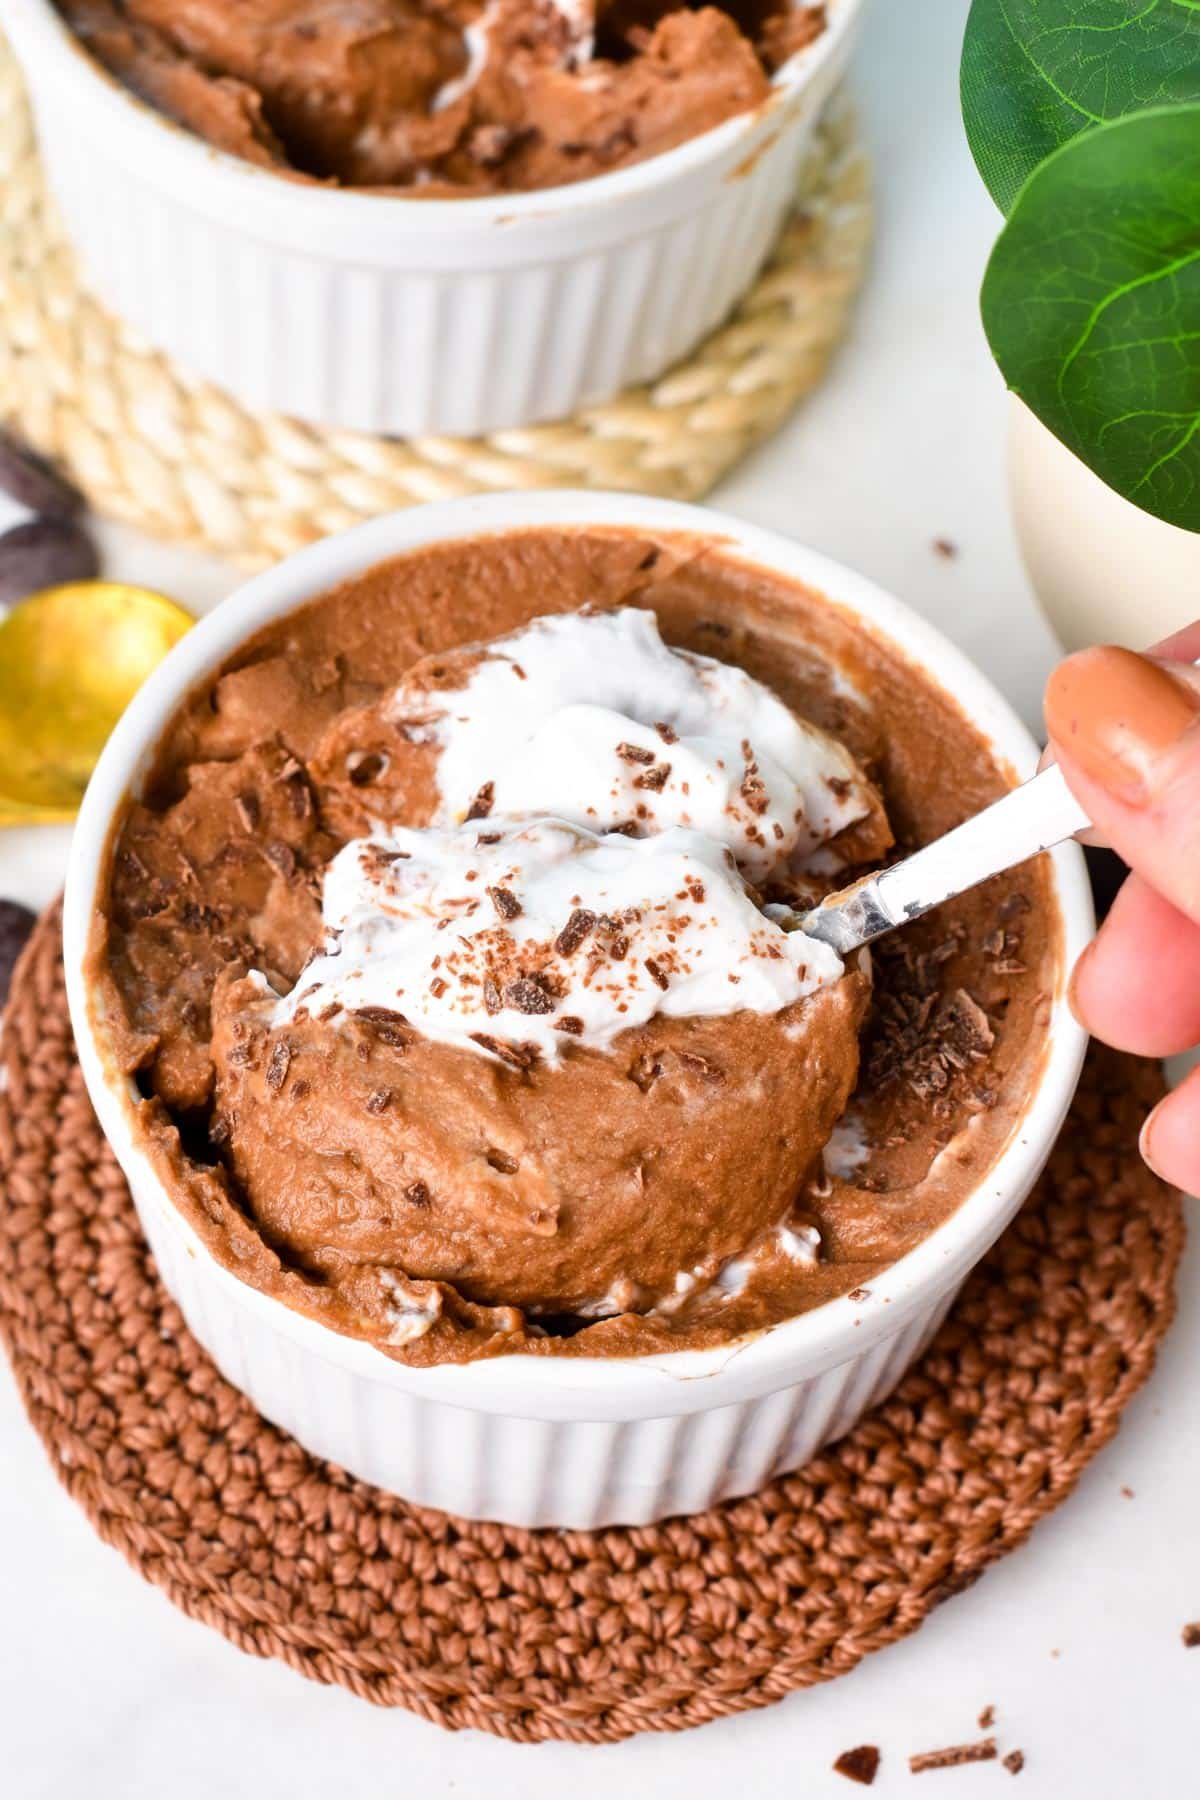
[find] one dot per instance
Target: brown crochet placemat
(589, 1636)
(181, 459)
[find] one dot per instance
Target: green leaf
(1091, 304)
(1036, 73)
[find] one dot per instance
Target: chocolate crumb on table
(1191, 1635)
(987, 1718)
(860, 1764)
(1014, 1762)
(954, 1756)
(946, 548)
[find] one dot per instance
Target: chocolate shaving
(1191, 1635)
(645, 1071)
(277, 1066)
(527, 995)
(700, 1065)
(955, 1756)
(517, 1056)
(1014, 1762)
(505, 902)
(657, 973)
(281, 856)
(388, 1026)
(987, 1718)
(249, 809)
(491, 997)
(481, 805)
(654, 779)
(417, 1194)
(570, 1024)
(634, 753)
(666, 732)
(487, 837)
(295, 782)
(438, 987)
(368, 767)
(579, 926)
(753, 789)
(860, 1764)
(379, 1100)
(300, 1090)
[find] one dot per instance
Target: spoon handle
(1033, 816)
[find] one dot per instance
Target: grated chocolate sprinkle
(249, 810)
(954, 1756)
(1191, 1635)
(277, 1066)
(482, 804)
(505, 902)
(1014, 1762)
(517, 1056)
(657, 974)
(417, 1194)
(634, 753)
(491, 997)
(700, 1065)
(570, 1024)
(666, 732)
(860, 1764)
(579, 926)
(655, 779)
(379, 1100)
(527, 995)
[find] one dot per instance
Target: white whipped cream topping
(502, 931)
(590, 717)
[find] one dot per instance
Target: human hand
(1126, 731)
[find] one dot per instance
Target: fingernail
(1116, 714)
(1144, 1145)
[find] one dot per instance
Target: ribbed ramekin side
(407, 345)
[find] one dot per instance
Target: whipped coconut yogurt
(544, 933)
(590, 717)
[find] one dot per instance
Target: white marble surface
(107, 1691)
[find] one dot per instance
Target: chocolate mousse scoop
(446, 96)
(443, 948)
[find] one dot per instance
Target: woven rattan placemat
(181, 459)
(550, 1634)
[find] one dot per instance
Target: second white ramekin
(379, 313)
(542, 1440)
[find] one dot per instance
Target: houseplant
(1083, 117)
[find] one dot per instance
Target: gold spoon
(71, 659)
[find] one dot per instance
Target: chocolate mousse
(445, 97)
(448, 947)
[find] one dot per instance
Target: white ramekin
(385, 314)
(546, 1441)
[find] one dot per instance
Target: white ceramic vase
(1104, 572)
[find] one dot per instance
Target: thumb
(1126, 731)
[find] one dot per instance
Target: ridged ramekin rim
(191, 168)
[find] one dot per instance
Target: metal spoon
(1031, 818)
